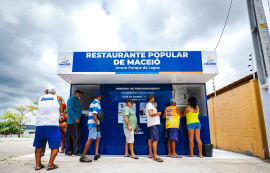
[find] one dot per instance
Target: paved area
(17, 156)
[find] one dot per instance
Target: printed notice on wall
(143, 116)
(121, 107)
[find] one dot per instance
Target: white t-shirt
(48, 111)
(151, 121)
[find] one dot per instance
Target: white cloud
(33, 32)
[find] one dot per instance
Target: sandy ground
(17, 156)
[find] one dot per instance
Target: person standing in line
(47, 126)
(94, 128)
(193, 125)
(172, 116)
(130, 125)
(153, 121)
(63, 128)
(73, 122)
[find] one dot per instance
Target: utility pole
(252, 66)
(261, 44)
(214, 87)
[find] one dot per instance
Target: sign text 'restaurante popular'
(137, 62)
(141, 55)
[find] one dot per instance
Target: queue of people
(49, 129)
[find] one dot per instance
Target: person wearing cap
(73, 122)
(130, 125)
(94, 128)
(153, 121)
(47, 126)
(172, 115)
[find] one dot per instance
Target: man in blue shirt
(73, 121)
(94, 128)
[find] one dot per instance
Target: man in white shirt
(153, 120)
(47, 126)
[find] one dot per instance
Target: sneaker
(76, 155)
(96, 157)
(85, 159)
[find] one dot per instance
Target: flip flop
(134, 157)
(54, 167)
(177, 157)
(158, 159)
(169, 156)
(128, 156)
(42, 166)
(151, 157)
(190, 156)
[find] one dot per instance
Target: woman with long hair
(193, 125)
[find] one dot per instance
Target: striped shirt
(93, 108)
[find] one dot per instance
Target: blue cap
(97, 93)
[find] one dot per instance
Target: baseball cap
(97, 93)
(50, 88)
(129, 100)
(78, 91)
(150, 96)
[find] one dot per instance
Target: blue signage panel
(112, 134)
(137, 62)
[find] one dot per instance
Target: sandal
(127, 156)
(176, 157)
(54, 167)
(158, 159)
(134, 157)
(97, 157)
(42, 166)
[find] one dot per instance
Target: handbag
(101, 116)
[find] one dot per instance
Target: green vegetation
(8, 128)
(15, 118)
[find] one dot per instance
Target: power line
(224, 24)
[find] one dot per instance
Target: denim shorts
(193, 126)
(93, 134)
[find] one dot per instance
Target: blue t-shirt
(94, 107)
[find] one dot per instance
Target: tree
(17, 115)
(7, 128)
